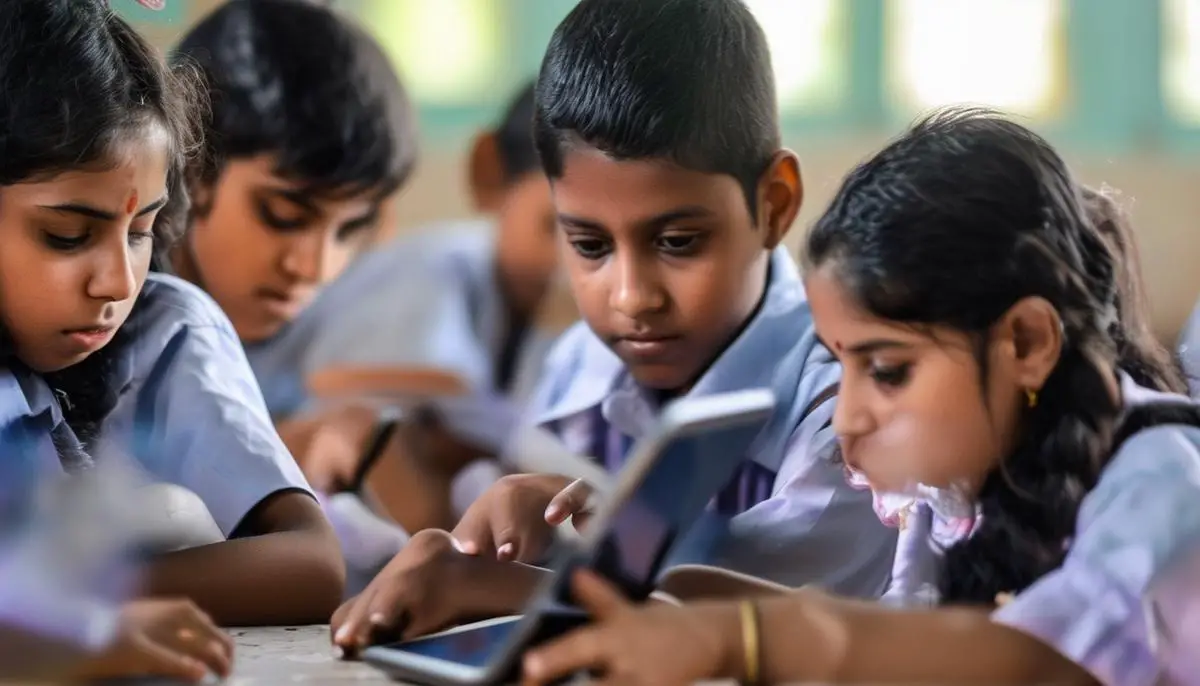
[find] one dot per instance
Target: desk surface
(296, 655)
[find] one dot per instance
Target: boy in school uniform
(460, 297)
(672, 195)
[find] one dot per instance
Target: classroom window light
(1007, 54)
(807, 38)
(446, 50)
(1181, 60)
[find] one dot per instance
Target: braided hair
(952, 224)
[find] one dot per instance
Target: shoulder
(168, 301)
(1146, 508)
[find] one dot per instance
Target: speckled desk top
(302, 655)
(294, 655)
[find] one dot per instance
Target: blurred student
(462, 297)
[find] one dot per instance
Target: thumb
(600, 598)
(568, 502)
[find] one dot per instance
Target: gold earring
(1031, 397)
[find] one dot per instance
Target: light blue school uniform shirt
(189, 411)
(1125, 604)
(789, 515)
(429, 298)
(49, 587)
(1188, 350)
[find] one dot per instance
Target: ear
(486, 174)
(200, 194)
(780, 194)
(1033, 333)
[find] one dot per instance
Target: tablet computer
(671, 476)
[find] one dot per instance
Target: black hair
(1142, 355)
(514, 137)
(292, 79)
(77, 80)
(688, 81)
(952, 224)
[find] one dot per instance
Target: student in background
(1156, 368)
(460, 297)
(971, 303)
(91, 179)
(672, 193)
(310, 132)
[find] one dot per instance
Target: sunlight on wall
(1008, 54)
(447, 50)
(807, 39)
(1181, 59)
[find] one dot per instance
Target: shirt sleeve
(200, 422)
(1125, 595)
(1189, 352)
(815, 528)
(420, 319)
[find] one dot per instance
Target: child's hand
(657, 644)
(430, 585)
(164, 638)
(515, 518)
(329, 445)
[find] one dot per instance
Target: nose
(636, 290)
(112, 279)
(306, 257)
(851, 413)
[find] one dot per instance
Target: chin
(51, 365)
(659, 378)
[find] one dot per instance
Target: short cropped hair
(689, 81)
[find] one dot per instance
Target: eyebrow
(869, 346)
(651, 223)
(91, 212)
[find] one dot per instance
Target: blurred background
(1115, 83)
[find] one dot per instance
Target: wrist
(727, 622)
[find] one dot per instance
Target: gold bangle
(750, 643)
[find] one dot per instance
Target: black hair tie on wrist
(385, 428)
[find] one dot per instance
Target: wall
(1164, 193)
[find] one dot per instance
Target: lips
(646, 348)
(282, 303)
(90, 337)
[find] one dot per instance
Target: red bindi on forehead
(132, 202)
(838, 346)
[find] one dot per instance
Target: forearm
(503, 588)
(24, 655)
(691, 583)
(856, 642)
(290, 577)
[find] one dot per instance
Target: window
(1181, 60)
(448, 51)
(1008, 54)
(808, 39)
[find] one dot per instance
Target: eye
(140, 238)
(357, 226)
(279, 220)
(589, 248)
(680, 244)
(890, 376)
(64, 243)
